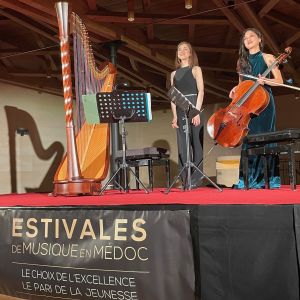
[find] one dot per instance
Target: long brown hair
(243, 64)
(193, 59)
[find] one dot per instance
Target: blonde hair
(193, 59)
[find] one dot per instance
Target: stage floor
(201, 196)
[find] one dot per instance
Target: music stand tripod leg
(206, 177)
(175, 180)
(110, 180)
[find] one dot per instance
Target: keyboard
(285, 135)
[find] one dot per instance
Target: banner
(96, 254)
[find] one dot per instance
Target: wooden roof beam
(5, 78)
(7, 63)
(35, 74)
(292, 39)
(115, 17)
(134, 64)
(192, 27)
(30, 11)
(282, 20)
(133, 45)
(215, 93)
(146, 4)
(92, 4)
(144, 60)
(150, 31)
(173, 45)
(38, 5)
(104, 31)
(192, 32)
(28, 25)
(227, 41)
(294, 4)
(230, 15)
(267, 7)
(9, 52)
(247, 12)
(48, 57)
(218, 69)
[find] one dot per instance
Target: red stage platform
(201, 196)
(245, 243)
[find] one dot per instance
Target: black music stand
(121, 107)
(190, 111)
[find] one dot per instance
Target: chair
(148, 157)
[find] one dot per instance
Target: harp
(87, 158)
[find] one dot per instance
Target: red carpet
(201, 196)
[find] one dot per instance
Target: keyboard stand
(285, 142)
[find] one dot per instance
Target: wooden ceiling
(29, 44)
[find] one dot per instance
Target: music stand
(120, 107)
(190, 111)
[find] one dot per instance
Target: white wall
(48, 114)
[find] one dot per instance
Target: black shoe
(193, 187)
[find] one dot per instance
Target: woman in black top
(187, 78)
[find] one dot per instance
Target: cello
(228, 126)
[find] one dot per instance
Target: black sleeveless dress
(185, 82)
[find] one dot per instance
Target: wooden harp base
(76, 188)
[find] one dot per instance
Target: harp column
(72, 157)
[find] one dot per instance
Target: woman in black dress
(187, 78)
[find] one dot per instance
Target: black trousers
(196, 146)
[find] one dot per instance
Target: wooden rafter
(48, 57)
(150, 32)
(247, 12)
(134, 64)
(146, 4)
(14, 52)
(7, 63)
(192, 32)
(192, 27)
(218, 69)
(28, 25)
(139, 18)
(11, 80)
(227, 41)
(231, 16)
(144, 60)
(293, 38)
(147, 58)
(267, 7)
(30, 11)
(34, 74)
(294, 4)
(92, 4)
(282, 20)
(173, 45)
(39, 5)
